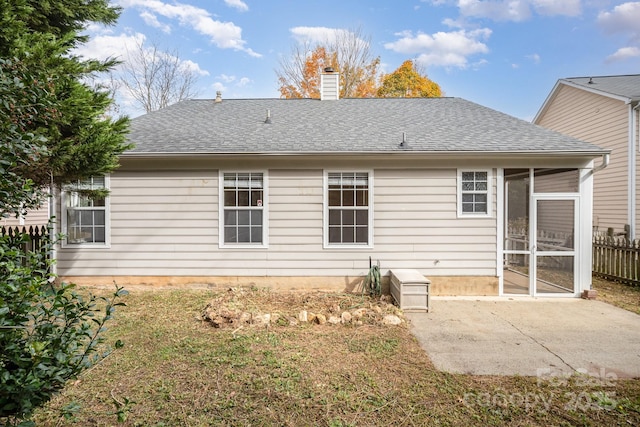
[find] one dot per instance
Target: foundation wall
(440, 285)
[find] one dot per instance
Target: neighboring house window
(85, 210)
(243, 209)
(474, 193)
(348, 208)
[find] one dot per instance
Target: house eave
(373, 154)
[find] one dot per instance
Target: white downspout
(53, 230)
(605, 162)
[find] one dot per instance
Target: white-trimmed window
(243, 214)
(348, 212)
(474, 193)
(85, 212)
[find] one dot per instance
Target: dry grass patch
(177, 369)
(618, 294)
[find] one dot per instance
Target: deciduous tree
(155, 78)
(408, 82)
(348, 52)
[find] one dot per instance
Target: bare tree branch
(156, 79)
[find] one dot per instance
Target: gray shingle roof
(343, 126)
(625, 86)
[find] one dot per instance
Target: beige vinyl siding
(416, 225)
(34, 217)
(636, 131)
(602, 121)
(160, 222)
(165, 224)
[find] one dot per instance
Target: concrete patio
(531, 337)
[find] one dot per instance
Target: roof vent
(404, 144)
(329, 85)
(590, 80)
(218, 97)
(268, 119)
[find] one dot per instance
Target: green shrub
(49, 333)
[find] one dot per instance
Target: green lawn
(178, 370)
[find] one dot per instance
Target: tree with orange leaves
(408, 82)
(348, 54)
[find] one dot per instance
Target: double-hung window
(348, 209)
(474, 193)
(85, 212)
(243, 211)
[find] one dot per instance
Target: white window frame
(488, 192)
(325, 185)
(264, 208)
(65, 193)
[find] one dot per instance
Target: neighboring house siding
(166, 224)
(557, 219)
(35, 217)
(602, 121)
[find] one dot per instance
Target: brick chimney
(329, 85)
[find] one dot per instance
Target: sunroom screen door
(554, 246)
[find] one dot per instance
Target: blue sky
(504, 54)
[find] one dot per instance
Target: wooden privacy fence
(617, 259)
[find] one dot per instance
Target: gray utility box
(410, 289)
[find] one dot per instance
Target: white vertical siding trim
(265, 211)
(500, 227)
(632, 174)
(585, 227)
(325, 209)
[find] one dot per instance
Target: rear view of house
(303, 193)
(603, 110)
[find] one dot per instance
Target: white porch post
(585, 228)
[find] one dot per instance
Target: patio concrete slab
(530, 337)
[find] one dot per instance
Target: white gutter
(497, 153)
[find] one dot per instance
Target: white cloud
(624, 18)
(226, 79)
(193, 66)
(152, 20)
(535, 58)
(447, 49)
(513, 10)
(557, 7)
(238, 4)
(225, 35)
(218, 86)
(315, 34)
(623, 54)
(102, 47)
(322, 35)
(239, 82)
